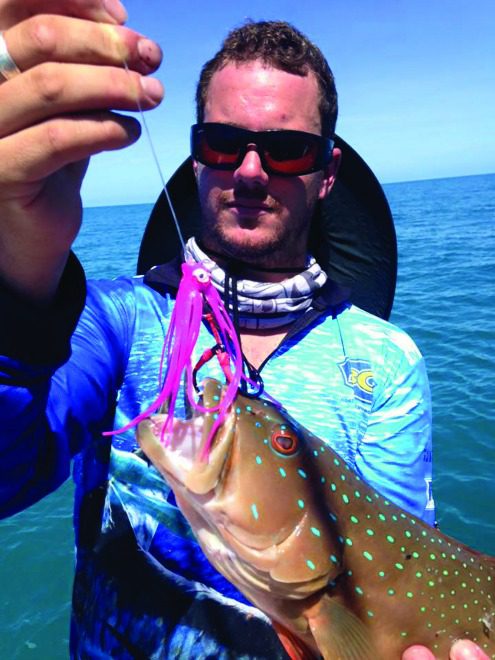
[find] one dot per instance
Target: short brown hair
(281, 46)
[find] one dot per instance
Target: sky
(416, 84)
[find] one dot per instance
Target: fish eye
(285, 443)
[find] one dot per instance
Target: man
(142, 586)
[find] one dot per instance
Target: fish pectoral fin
(294, 647)
(338, 633)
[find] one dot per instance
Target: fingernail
(116, 9)
(153, 88)
(149, 52)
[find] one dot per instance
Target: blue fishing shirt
(143, 588)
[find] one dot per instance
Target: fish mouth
(178, 455)
(199, 484)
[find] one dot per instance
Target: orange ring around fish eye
(285, 443)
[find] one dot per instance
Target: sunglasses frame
(258, 138)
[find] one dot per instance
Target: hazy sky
(416, 83)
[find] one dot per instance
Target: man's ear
(195, 168)
(330, 174)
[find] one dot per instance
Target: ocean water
(445, 299)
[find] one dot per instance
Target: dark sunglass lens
(216, 146)
(222, 139)
(288, 147)
(292, 154)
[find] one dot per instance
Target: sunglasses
(282, 152)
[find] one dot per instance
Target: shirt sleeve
(57, 385)
(395, 453)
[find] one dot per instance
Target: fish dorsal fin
(338, 633)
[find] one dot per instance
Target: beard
(272, 239)
(249, 248)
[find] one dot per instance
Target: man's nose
(251, 171)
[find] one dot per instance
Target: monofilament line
(157, 163)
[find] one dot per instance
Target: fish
(341, 571)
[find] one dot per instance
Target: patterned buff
(263, 304)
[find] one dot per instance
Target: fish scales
(332, 562)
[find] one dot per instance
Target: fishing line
(341, 337)
(157, 163)
(195, 290)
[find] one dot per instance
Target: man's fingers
(52, 89)
(54, 115)
(466, 650)
(461, 650)
(417, 653)
(46, 38)
(105, 11)
(39, 151)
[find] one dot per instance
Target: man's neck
(272, 270)
(257, 345)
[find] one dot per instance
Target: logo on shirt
(358, 375)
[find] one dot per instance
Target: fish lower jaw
(214, 547)
(247, 577)
(258, 565)
(239, 562)
(264, 558)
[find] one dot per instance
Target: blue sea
(445, 299)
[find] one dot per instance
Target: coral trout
(341, 571)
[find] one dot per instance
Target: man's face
(248, 214)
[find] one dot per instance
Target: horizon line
(382, 183)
